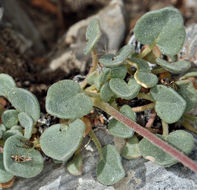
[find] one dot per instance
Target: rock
(190, 46)
(141, 175)
(22, 23)
(69, 55)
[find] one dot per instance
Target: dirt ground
(53, 18)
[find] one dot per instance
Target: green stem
(145, 96)
(165, 128)
(93, 67)
(96, 142)
(143, 108)
(146, 134)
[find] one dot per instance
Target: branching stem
(146, 134)
(143, 108)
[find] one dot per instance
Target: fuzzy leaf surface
(170, 106)
(163, 28)
(109, 169)
(25, 101)
(65, 100)
(61, 141)
(15, 146)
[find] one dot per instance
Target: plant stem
(93, 67)
(188, 126)
(146, 51)
(165, 128)
(146, 134)
(143, 108)
(151, 119)
(96, 142)
(145, 96)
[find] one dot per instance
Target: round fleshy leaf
(106, 93)
(170, 106)
(124, 90)
(92, 35)
(12, 132)
(75, 165)
(6, 83)
(104, 76)
(65, 100)
(61, 141)
(25, 101)
(131, 149)
(163, 28)
(10, 118)
(4, 175)
(17, 127)
(93, 79)
(109, 169)
(189, 74)
(20, 161)
(188, 92)
(119, 72)
(175, 67)
(180, 139)
(2, 127)
(27, 122)
(118, 129)
(143, 75)
(146, 79)
(111, 60)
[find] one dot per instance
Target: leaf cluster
(169, 84)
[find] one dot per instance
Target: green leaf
(180, 139)
(92, 35)
(117, 128)
(6, 83)
(93, 79)
(25, 101)
(119, 72)
(109, 169)
(189, 74)
(65, 100)
(111, 60)
(104, 76)
(10, 118)
(2, 127)
(163, 28)
(106, 93)
(170, 106)
(188, 92)
(15, 146)
(131, 149)
(4, 175)
(175, 67)
(75, 165)
(12, 132)
(61, 141)
(146, 79)
(124, 90)
(143, 75)
(27, 122)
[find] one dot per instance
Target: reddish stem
(146, 134)
(151, 119)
